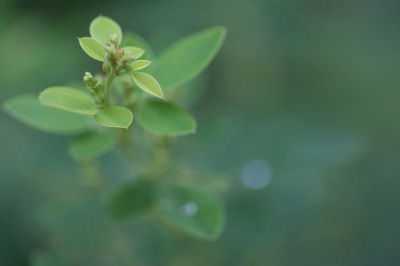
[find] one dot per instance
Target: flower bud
(114, 39)
(88, 77)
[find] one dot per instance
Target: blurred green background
(300, 110)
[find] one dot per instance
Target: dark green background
(309, 87)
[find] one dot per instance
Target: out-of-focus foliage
(300, 113)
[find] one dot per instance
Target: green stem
(127, 145)
(161, 156)
(92, 174)
(107, 87)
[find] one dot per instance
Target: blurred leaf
(101, 28)
(114, 116)
(132, 200)
(91, 145)
(140, 64)
(27, 109)
(40, 258)
(188, 57)
(93, 48)
(133, 39)
(163, 118)
(193, 211)
(148, 84)
(121, 82)
(136, 52)
(68, 99)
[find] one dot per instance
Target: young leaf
(27, 109)
(140, 64)
(134, 52)
(193, 211)
(68, 99)
(93, 48)
(132, 200)
(114, 116)
(164, 118)
(148, 84)
(101, 28)
(91, 145)
(132, 39)
(189, 57)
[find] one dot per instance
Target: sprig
(128, 91)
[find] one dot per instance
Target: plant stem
(126, 142)
(92, 173)
(107, 87)
(161, 156)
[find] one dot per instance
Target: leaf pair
(101, 28)
(188, 209)
(96, 50)
(156, 116)
(75, 101)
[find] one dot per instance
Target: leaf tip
(162, 97)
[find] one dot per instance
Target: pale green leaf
(68, 99)
(164, 118)
(131, 200)
(133, 39)
(93, 48)
(133, 52)
(193, 211)
(101, 28)
(187, 58)
(114, 116)
(140, 64)
(27, 109)
(148, 84)
(91, 145)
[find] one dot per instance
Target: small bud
(88, 77)
(113, 38)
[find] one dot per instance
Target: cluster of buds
(95, 86)
(116, 58)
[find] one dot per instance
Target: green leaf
(164, 118)
(187, 58)
(93, 48)
(134, 52)
(148, 84)
(133, 39)
(27, 109)
(140, 64)
(114, 116)
(193, 211)
(68, 99)
(91, 145)
(101, 28)
(132, 200)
